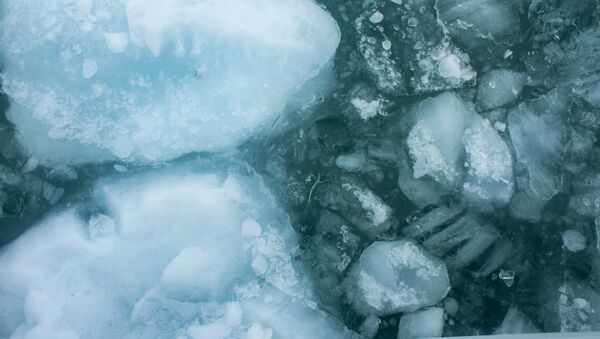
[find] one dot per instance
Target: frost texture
(153, 80)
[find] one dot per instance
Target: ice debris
(451, 145)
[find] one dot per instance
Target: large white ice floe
(171, 253)
(396, 276)
(94, 80)
(453, 148)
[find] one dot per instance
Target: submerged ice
(191, 253)
(151, 80)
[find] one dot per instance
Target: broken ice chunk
(427, 323)
(409, 52)
(539, 133)
(367, 109)
(553, 20)
(489, 174)
(459, 238)
(369, 326)
(485, 27)
(434, 142)
(451, 144)
(396, 276)
(151, 81)
(499, 87)
(352, 199)
(117, 42)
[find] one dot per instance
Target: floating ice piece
(574, 241)
(370, 326)
(168, 253)
(451, 144)
(427, 323)
(396, 276)
(539, 133)
(150, 80)
(515, 322)
(499, 87)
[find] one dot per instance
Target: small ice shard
(396, 276)
(149, 81)
(500, 87)
(90, 67)
(352, 162)
(574, 241)
(515, 322)
(434, 142)
(428, 323)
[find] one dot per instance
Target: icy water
(299, 169)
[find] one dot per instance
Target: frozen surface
(396, 276)
(147, 80)
(192, 253)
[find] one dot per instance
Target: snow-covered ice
(449, 143)
(192, 251)
(153, 80)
